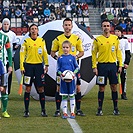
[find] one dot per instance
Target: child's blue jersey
(66, 62)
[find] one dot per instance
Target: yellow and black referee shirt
(33, 52)
(106, 50)
(76, 44)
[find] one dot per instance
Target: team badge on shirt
(113, 48)
(39, 50)
(73, 48)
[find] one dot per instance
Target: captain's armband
(55, 57)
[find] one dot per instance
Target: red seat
(25, 29)
(19, 31)
(129, 32)
(14, 29)
(112, 28)
(112, 32)
(124, 33)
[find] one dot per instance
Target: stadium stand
(22, 13)
(122, 14)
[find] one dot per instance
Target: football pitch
(87, 124)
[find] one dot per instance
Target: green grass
(89, 124)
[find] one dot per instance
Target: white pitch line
(74, 125)
(76, 128)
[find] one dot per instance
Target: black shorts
(36, 72)
(107, 70)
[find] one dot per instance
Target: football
(67, 76)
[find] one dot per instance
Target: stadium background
(24, 12)
(88, 13)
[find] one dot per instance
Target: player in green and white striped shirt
(5, 47)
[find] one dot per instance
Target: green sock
(4, 100)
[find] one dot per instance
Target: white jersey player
(13, 42)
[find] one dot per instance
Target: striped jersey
(5, 48)
(12, 38)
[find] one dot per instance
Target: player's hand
(95, 71)
(74, 76)
(46, 69)
(1, 88)
(10, 70)
(62, 75)
(16, 46)
(22, 72)
(76, 56)
(119, 69)
(125, 66)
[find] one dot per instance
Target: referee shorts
(107, 70)
(36, 72)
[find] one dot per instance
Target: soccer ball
(67, 76)
(50, 31)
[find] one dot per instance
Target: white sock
(64, 106)
(72, 104)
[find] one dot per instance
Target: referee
(105, 53)
(32, 53)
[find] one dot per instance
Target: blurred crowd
(43, 10)
(118, 15)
